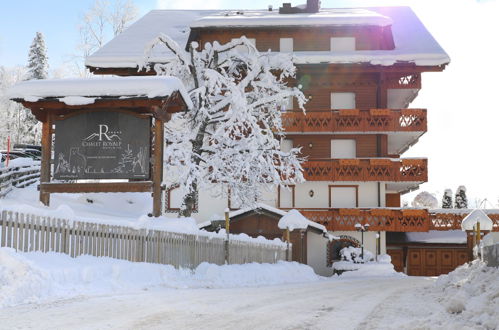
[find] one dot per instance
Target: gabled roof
(413, 43)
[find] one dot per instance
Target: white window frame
(286, 45)
(342, 44)
(343, 100)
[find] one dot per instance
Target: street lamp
(362, 229)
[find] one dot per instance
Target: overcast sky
(462, 142)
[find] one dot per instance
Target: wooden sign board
(102, 145)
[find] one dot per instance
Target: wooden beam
(46, 157)
(142, 186)
(157, 175)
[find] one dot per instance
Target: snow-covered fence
(28, 232)
(20, 177)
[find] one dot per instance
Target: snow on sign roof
(413, 43)
(295, 220)
(352, 16)
(85, 91)
(474, 217)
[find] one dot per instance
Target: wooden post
(478, 234)
(227, 230)
(46, 158)
(157, 167)
(287, 244)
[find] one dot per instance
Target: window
(343, 196)
(174, 198)
(286, 197)
(342, 101)
(286, 45)
(244, 49)
(286, 145)
(343, 148)
(342, 44)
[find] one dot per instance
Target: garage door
(434, 261)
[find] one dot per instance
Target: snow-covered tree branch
(232, 134)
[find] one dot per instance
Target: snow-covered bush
(353, 254)
(461, 200)
(447, 199)
(425, 200)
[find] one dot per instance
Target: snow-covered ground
(53, 291)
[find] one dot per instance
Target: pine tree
(37, 58)
(461, 201)
(447, 199)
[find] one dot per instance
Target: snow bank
(383, 267)
(37, 277)
(471, 294)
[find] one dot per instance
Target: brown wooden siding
(321, 145)
(397, 256)
(304, 38)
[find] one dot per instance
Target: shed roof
(413, 43)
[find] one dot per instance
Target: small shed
(309, 239)
(106, 130)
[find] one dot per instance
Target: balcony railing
(401, 220)
(442, 220)
(355, 120)
(373, 169)
(387, 219)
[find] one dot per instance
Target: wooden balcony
(401, 220)
(450, 220)
(388, 219)
(355, 120)
(373, 169)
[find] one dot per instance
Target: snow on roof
(82, 91)
(413, 43)
(295, 220)
(258, 206)
(247, 18)
(437, 236)
(474, 217)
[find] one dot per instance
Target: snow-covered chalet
(360, 69)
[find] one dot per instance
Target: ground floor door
(434, 261)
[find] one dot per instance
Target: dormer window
(286, 45)
(342, 44)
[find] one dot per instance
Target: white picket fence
(28, 232)
(19, 177)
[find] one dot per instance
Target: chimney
(313, 6)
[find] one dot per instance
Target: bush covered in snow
(353, 254)
(425, 200)
(461, 201)
(447, 199)
(471, 294)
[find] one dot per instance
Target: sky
(462, 142)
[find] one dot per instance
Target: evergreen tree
(447, 199)
(37, 58)
(461, 201)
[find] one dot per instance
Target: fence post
(227, 230)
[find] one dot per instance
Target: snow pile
(382, 267)
(23, 161)
(471, 294)
(353, 254)
(37, 277)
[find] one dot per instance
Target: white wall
(368, 194)
(317, 254)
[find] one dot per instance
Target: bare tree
(102, 21)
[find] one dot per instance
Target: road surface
(332, 304)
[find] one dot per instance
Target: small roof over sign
(84, 91)
(474, 217)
